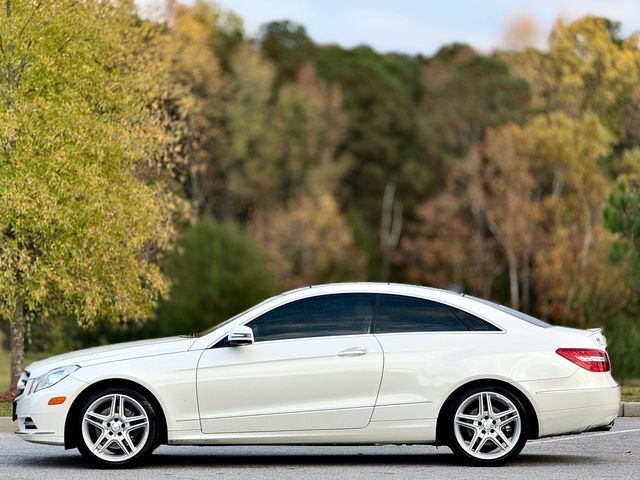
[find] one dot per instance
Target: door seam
(373, 330)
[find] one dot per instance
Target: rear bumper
(577, 410)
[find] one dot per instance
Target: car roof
(505, 321)
(374, 287)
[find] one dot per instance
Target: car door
(425, 345)
(314, 365)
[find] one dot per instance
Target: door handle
(352, 352)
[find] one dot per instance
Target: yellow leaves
(561, 139)
(80, 220)
(589, 69)
(589, 82)
(571, 149)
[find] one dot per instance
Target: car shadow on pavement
(198, 460)
(442, 459)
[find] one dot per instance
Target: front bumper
(39, 422)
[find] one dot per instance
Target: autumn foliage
(512, 176)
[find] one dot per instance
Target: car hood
(112, 353)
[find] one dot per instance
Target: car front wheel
(117, 427)
(488, 426)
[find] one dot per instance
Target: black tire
(143, 448)
(485, 457)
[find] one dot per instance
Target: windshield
(515, 313)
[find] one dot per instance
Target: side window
(473, 322)
(322, 316)
(397, 313)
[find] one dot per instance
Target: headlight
(54, 376)
(22, 383)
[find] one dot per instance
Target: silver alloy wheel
(487, 425)
(115, 427)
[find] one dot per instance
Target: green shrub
(623, 337)
(215, 272)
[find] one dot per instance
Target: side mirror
(242, 335)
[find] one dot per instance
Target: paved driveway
(614, 455)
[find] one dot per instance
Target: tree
(447, 245)
(569, 153)
(527, 201)
(622, 218)
(278, 149)
(215, 272)
(247, 144)
(587, 84)
(476, 93)
(288, 46)
(307, 242)
(503, 189)
(487, 213)
(589, 68)
(189, 95)
(82, 215)
(380, 94)
(309, 124)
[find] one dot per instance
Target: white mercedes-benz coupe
(348, 364)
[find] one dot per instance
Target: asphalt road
(614, 455)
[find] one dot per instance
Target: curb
(7, 425)
(627, 409)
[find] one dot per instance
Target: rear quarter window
(474, 323)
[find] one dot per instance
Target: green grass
(631, 394)
(5, 364)
(5, 409)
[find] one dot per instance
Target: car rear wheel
(117, 427)
(487, 426)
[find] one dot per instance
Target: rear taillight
(587, 358)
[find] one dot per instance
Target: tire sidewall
(452, 441)
(152, 438)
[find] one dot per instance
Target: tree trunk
(390, 227)
(526, 279)
(513, 281)
(17, 341)
(18, 322)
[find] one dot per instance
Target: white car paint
(331, 383)
(382, 388)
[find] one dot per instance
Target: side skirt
(421, 431)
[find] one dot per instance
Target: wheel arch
(532, 416)
(72, 415)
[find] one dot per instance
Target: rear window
(522, 316)
(474, 323)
